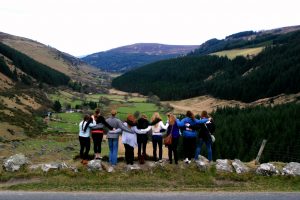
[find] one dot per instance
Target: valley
(250, 88)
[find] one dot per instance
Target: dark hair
(190, 114)
(97, 111)
(85, 119)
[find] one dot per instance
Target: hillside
(29, 71)
(132, 56)
(273, 71)
(69, 65)
(245, 39)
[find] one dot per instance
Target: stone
(239, 166)
(292, 168)
(52, 166)
(203, 163)
(133, 167)
(223, 165)
(15, 162)
(267, 169)
(94, 165)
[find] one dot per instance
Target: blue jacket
(189, 133)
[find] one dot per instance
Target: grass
(68, 122)
(168, 178)
(231, 54)
(144, 108)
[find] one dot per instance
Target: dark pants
(189, 146)
(142, 144)
(97, 140)
(85, 144)
(129, 154)
(157, 139)
(173, 148)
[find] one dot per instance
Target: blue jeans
(199, 146)
(113, 144)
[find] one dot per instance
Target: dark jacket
(100, 123)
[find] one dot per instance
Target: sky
(82, 27)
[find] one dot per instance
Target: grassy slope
(231, 54)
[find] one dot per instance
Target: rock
(202, 163)
(52, 166)
(133, 167)
(110, 169)
(94, 165)
(292, 168)
(14, 162)
(202, 166)
(239, 167)
(267, 169)
(223, 165)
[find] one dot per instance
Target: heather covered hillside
(129, 57)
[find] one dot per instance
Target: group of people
(135, 133)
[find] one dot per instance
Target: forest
(274, 71)
(240, 132)
(40, 72)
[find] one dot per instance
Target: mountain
(29, 71)
(132, 56)
(275, 70)
(245, 39)
(67, 64)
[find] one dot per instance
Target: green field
(68, 122)
(64, 122)
(231, 54)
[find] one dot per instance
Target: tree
(57, 106)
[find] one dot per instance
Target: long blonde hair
(172, 119)
(154, 117)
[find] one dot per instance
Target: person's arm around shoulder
(103, 121)
(116, 131)
(180, 123)
(161, 124)
(122, 126)
(201, 121)
(141, 131)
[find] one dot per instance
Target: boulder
(202, 163)
(239, 166)
(292, 168)
(15, 162)
(223, 165)
(267, 169)
(94, 165)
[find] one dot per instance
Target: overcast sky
(82, 27)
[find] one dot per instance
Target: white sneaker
(189, 161)
(160, 161)
(186, 160)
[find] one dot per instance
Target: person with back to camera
(205, 131)
(189, 135)
(157, 135)
(113, 136)
(84, 137)
(98, 131)
(174, 130)
(129, 139)
(142, 139)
